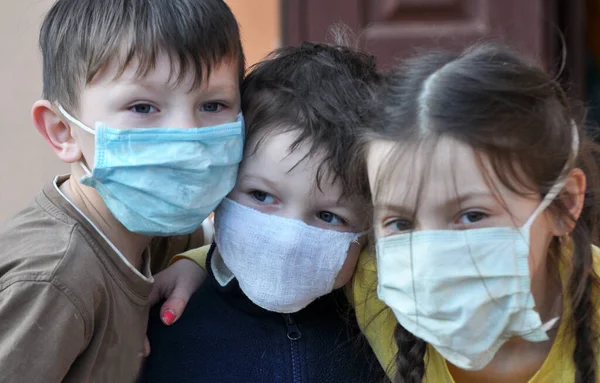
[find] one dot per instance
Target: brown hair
(78, 38)
(321, 91)
(509, 110)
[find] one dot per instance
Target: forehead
(270, 155)
(168, 71)
(430, 170)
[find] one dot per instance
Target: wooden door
(393, 29)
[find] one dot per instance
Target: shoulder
(375, 319)
(47, 302)
(364, 281)
(34, 245)
(41, 252)
(44, 330)
(37, 228)
(164, 249)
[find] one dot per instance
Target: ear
(55, 131)
(572, 196)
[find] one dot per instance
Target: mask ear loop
(359, 236)
(549, 197)
(75, 121)
(560, 184)
(83, 127)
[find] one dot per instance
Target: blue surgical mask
(163, 181)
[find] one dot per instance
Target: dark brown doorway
(396, 28)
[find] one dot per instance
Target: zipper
(294, 335)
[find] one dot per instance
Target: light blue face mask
(164, 181)
(465, 292)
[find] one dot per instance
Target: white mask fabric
(281, 264)
(465, 292)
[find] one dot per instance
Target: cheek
(219, 118)
(541, 236)
(378, 227)
(88, 148)
(237, 196)
(347, 271)
(245, 199)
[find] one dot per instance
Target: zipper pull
(293, 332)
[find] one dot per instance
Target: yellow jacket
(378, 322)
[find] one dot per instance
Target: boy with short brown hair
(145, 79)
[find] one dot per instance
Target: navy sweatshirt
(222, 337)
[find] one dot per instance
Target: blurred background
(560, 34)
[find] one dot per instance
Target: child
(130, 88)
(286, 236)
(485, 230)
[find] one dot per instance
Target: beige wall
(259, 24)
(26, 162)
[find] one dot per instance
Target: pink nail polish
(168, 317)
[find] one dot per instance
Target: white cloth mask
(281, 264)
(465, 292)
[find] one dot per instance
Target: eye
(211, 107)
(143, 109)
(471, 217)
(398, 225)
(331, 218)
(262, 196)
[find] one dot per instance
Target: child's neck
(516, 362)
(519, 360)
(87, 199)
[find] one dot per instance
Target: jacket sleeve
(41, 332)
(196, 255)
(167, 250)
(376, 321)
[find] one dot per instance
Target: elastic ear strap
(75, 121)
(85, 168)
(560, 184)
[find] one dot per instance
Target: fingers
(146, 347)
(172, 309)
(156, 295)
(176, 284)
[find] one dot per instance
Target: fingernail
(168, 317)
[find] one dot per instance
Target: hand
(176, 284)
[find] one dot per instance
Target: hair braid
(580, 289)
(410, 359)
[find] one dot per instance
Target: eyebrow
(272, 184)
(450, 203)
(462, 198)
(136, 85)
(398, 209)
(220, 89)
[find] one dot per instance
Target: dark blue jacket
(222, 337)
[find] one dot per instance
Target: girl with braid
(485, 217)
